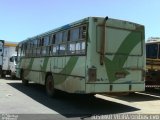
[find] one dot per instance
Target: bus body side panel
(68, 72)
(31, 68)
(122, 68)
(74, 71)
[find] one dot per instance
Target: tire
(24, 81)
(50, 86)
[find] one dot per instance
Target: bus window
(38, 51)
(71, 48)
(80, 48)
(83, 31)
(65, 36)
(58, 37)
(43, 51)
(83, 48)
(23, 49)
(53, 39)
(38, 42)
(42, 42)
(55, 50)
(46, 40)
(18, 52)
(62, 49)
(48, 50)
(151, 50)
(74, 34)
(31, 44)
(35, 43)
(68, 38)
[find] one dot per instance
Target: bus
(89, 56)
(153, 63)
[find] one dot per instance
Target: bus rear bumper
(109, 88)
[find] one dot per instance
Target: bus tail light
(92, 73)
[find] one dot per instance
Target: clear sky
(20, 19)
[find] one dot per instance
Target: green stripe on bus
(26, 72)
(44, 66)
(116, 65)
(30, 63)
(58, 79)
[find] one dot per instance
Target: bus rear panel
(115, 56)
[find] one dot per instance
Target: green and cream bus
(89, 56)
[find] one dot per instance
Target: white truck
(9, 59)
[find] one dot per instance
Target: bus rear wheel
(24, 81)
(50, 86)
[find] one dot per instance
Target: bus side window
(43, 51)
(68, 38)
(58, 38)
(28, 49)
(83, 32)
(39, 42)
(46, 40)
(65, 36)
(42, 42)
(71, 47)
(31, 48)
(53, 39)
(38, 51)
(55, 49)
(19, 50)
(62, 49)
(80, 48)
(34, 47)
(35, 43)
(22, 50)
(74, 34)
